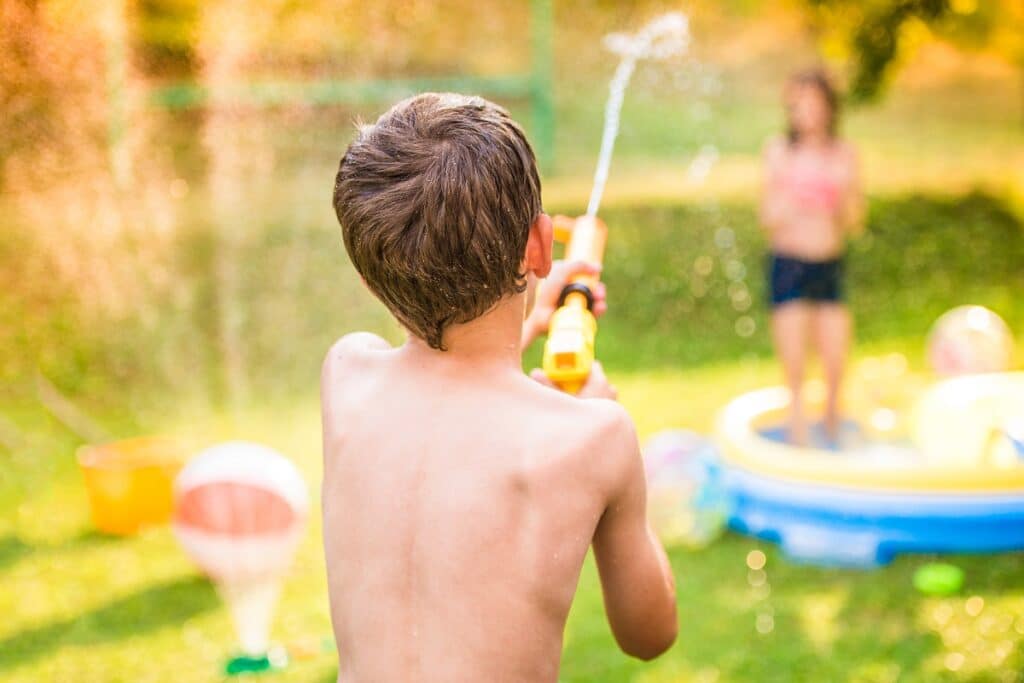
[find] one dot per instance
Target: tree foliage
(877, 34)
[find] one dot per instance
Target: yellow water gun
(569, 349)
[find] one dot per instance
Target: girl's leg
(832, 331)
(789, 331)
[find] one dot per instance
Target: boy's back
(460, 498)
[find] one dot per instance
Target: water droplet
(745, 326)
(884, 420)
(741, 305)
(974, 605)
(765, 624)
(700, 111)
(703, 265)
(1004, 622)
(757, 577)
(278, 656)
(710, 85)
(756, 559)
(735, 270)
(740, 296)
(895, 364)
(725, 238)
(708, 675)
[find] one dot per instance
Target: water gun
(569, 349)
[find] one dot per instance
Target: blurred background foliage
(180, 269)
(191, 252)
(880, 35)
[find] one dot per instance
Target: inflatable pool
(956, 485)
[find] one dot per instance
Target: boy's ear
(538, 247)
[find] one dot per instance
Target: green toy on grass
(939, 578)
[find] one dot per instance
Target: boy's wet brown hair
(435, 202)
(818, 78)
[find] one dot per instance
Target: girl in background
(812, 200)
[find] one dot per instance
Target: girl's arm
(775, 205)
(852, 207)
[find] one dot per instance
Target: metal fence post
(540, 83)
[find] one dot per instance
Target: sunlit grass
(80, 607)
(134, 609)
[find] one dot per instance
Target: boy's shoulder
(345, 358)
(604, 419)
(353, 347)
(590, 427)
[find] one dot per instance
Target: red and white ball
(240, 510)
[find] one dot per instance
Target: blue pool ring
(853, 527)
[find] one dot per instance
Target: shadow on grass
(165, 604)
(13, 548)
(805, 624)
(829, 624)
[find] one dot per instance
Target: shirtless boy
(460, 496)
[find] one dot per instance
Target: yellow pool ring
(934, 422)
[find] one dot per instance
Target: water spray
(664, 37)
(569, 351)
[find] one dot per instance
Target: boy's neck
(491, 341)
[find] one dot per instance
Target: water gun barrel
(569, 350)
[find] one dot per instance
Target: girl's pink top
(812, 188)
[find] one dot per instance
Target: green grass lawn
(129, 323)
(130, 328)
(81, 607)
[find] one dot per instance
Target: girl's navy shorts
(793, 279)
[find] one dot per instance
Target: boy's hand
(550, 289)
(597, 385)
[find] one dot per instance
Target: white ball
(687, 501)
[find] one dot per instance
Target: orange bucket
(130, 483)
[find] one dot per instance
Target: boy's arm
(596, 386)
(636, 579)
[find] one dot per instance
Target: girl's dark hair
(815, 78)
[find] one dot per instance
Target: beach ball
(240, 510)
(967, 340)
(687, 502)
(972, 420)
